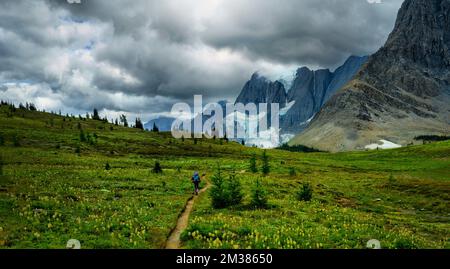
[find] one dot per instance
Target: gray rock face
(421, 34)
(344, 74)
(403, 91)
(261, 90)
(310, 90)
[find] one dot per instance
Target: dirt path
(173, 241)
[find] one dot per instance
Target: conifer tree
(252, 166)
(95, 116)
(157, 169)
(259, 195)
(138, 124)
(265, 164)
(155, 128)
(234, 189)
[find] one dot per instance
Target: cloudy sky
(139, 57)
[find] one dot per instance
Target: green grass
(49, 193)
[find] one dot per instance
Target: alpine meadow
(104, 192)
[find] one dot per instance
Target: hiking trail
(173, 241)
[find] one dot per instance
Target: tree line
(122, 120)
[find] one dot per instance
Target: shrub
(1, 166)
(218, 192)
(305, 192)
(252, 166)
(92, 140)
(391, 180)
(16, 141)
(404, 244)
(433, 138)
(298, 148)
(265, 164)
(82, 136)
(157, 168)
(259, 196)
(209, 151)
(292, 171)
(164, 185)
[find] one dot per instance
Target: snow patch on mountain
(384, 145)
(286, 109)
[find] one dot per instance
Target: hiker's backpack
(196, 178)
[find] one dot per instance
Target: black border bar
(285, 258)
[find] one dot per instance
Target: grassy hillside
(55, 186)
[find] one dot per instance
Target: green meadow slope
(55, 186)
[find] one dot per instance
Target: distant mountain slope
(164, 124)
(403, 90)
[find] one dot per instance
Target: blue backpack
(196, 178)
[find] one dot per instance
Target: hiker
(196, 180)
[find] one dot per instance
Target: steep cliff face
(401, 92)
(308, 93)
(261, 90)
(312, 89)
(344, 74)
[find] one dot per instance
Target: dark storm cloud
(312, 32)
(141, 56)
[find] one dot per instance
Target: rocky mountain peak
(261, 90)
(258, 76)
(421, 34)
(401, 92)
